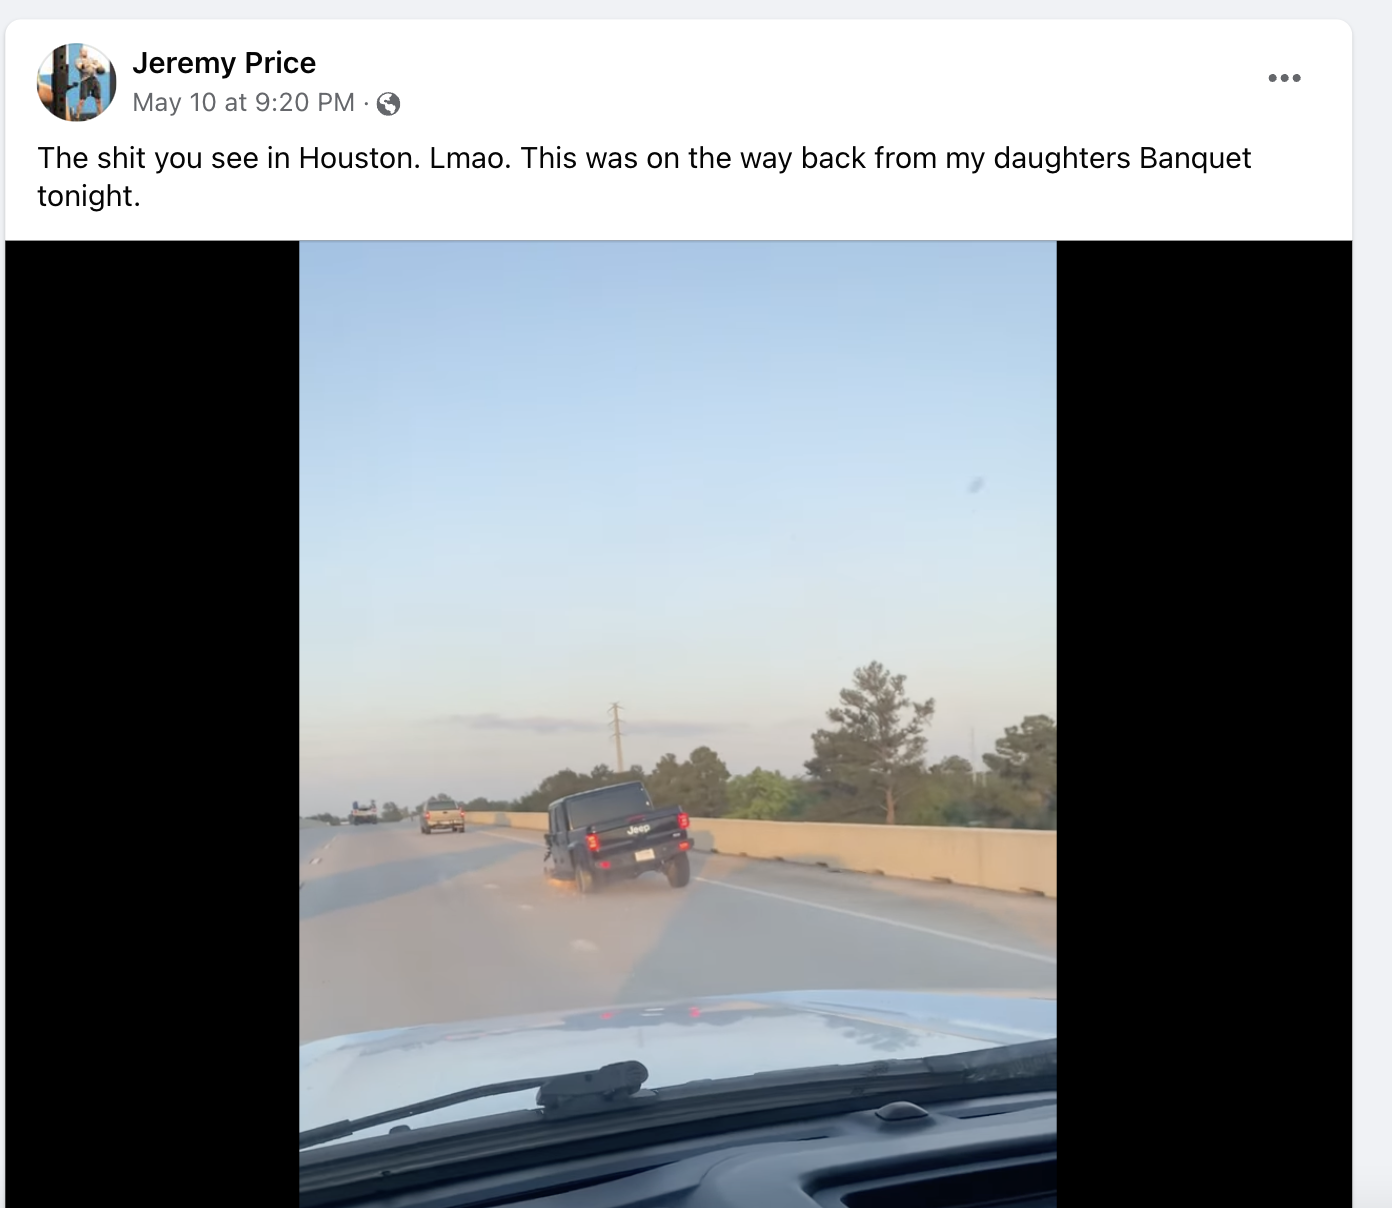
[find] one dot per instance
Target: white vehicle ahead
(361, 814)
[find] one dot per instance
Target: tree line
(390, 812)
(869, 765)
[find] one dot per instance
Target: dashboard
(967, 1154)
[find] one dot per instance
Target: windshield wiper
(1016, 1066)
(590, 1090)
(604, 1111)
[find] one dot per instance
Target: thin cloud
(530, 725)
(571, 725)
(682, 729)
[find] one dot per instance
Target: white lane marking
(874, 918)
(490, 885)
(523, 906)
(315, 860)
(869, 918)
(584, 946)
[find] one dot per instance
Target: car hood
(347, 1077)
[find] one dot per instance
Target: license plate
(645, 854)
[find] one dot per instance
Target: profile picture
(76, 82)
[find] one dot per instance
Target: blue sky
(705, 480)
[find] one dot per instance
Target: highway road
(399, 928)
(312, 838)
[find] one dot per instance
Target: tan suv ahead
(442, 815)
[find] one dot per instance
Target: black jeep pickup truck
(615, 833)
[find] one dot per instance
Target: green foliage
(704, 784)
(878, 746)
(1027, 758)
(565, 782)
(698, 785)
(391, 812)
(664, 781)
(770, 796)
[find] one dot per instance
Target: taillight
(604, 864)
(592, 842)
(427, 815)
(683, 845)
(683, 821)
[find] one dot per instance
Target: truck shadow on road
(363, 886)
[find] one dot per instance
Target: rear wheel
(586, 879)
(678, 871)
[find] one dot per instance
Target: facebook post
(678, 410)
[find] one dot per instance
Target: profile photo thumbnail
(76, 82)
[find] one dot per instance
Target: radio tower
(618, 736)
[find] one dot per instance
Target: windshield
(758, 533)
(615, 803)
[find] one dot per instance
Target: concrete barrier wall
(1019, 861)
(532, 822)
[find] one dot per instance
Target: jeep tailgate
(658, 831)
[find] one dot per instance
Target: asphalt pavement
(312, 838)
(399, 928)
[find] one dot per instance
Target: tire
(678, 871)
(585, 879)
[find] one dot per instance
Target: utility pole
(618, 736)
